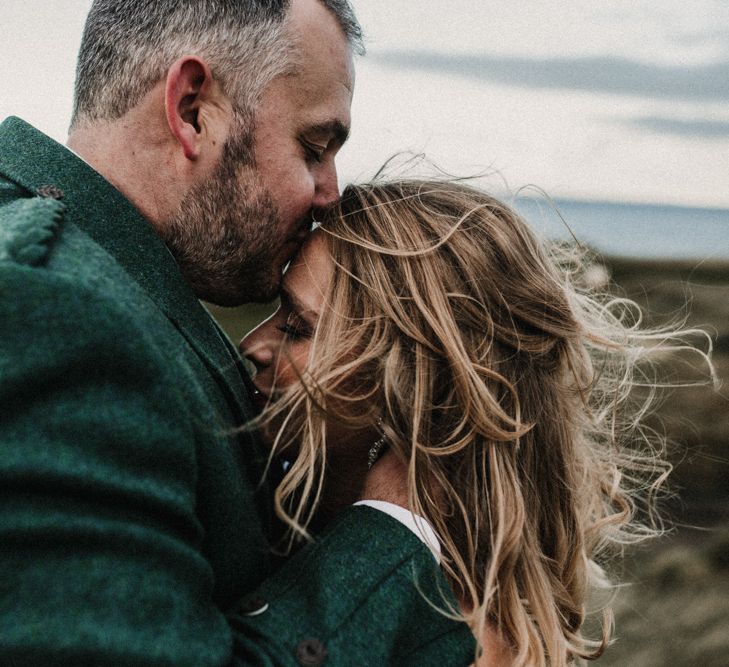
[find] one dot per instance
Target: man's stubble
(223, 234)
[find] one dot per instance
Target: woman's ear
(188, 83)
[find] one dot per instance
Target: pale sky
(588, 99)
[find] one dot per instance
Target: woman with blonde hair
(426, 319)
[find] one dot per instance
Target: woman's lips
(259, 398)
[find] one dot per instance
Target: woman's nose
(256, 349)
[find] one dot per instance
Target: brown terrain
(674, 610)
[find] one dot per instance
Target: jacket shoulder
(29, 228)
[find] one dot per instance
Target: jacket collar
(33, 160)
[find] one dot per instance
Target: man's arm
(363, 594)
(100, 545)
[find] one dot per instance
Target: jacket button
(311, 652)
(50, 192)
(253, 606)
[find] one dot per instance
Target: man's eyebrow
(334, 128)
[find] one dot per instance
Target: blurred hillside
(695, 419)
(674, 609)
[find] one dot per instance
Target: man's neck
(133, 164)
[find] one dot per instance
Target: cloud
(718, 36)
(708, 82)
(682, 128)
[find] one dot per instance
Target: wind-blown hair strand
(507, 387)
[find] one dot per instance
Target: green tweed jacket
(132, 522)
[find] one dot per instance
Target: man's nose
(327, 187)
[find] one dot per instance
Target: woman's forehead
(307, 278)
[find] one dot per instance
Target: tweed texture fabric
(133, 519)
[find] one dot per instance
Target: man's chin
(251, 293)
(269, 292)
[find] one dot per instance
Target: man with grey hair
(134, 521)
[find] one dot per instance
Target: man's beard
(224, 233)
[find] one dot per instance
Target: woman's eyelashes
(295, 328)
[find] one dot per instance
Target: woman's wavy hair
(506, 385)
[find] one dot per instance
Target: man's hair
(128, 45)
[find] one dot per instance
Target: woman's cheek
(301, 356)
(293, 364)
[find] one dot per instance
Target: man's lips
(302, 230)
(291, 248)
(301, 236)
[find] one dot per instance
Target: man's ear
(188, 81)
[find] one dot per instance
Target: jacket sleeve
(100, 544)
(367, 592)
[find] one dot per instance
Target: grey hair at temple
(128, 45)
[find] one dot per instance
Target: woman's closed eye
(295, 328)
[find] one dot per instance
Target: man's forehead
(318, 42)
